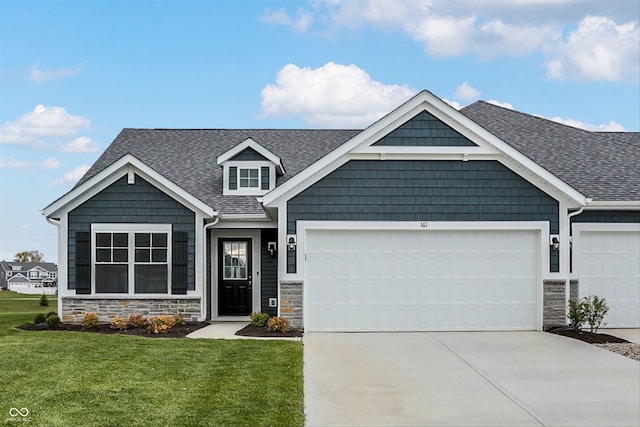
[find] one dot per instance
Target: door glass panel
(235, 260)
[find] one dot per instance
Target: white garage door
(610, 268)
(363, 280)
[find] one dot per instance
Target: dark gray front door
(234, 277)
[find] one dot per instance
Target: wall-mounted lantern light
(291, 242)
(554, 242)
(271, 248)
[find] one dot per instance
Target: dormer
(249, 169)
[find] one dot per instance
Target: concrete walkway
(466, 379)
(227, 330)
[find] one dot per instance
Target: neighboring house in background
(21, 276)
(429, 219)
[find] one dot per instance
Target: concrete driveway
(466, 379)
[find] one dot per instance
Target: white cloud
(71, 177)
(300, 24)
(40, 76)
(332, 95)
(500, 104)
(12, 163)
(454, 104)
(82, 144)
(599, 49)
(612, 126)
(466, 92)
(42, 122)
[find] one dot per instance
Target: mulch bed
(261, 331)
(175, 332)
(589, 337)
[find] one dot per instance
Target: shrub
(44, 300)
(53, 321)
(179, 320)
(138, 321)
(597, 309)
(119, 323)
(278, 324)
(161, 324)
(259, 319)
(40, 318)
(577, 314)
(51, 313)
(90, 320)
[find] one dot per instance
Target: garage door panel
(436, 280)
(609, 267)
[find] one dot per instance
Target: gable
(249, 154)
(425, 130)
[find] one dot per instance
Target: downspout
(205, 300)
(569, 258)
(56, 222)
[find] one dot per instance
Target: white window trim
(130, 228)
(248, 164)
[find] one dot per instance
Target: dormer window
(249, 169)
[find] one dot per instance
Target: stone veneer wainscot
(73, 309)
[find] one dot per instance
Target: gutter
(567, 293)
(205, 301)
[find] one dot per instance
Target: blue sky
(74, 73)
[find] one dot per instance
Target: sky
(73, 74)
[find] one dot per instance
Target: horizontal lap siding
(131, 203)
(607, 217)
(370, 190)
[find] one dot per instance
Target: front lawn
(74, 378)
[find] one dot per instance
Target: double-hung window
(131, 258)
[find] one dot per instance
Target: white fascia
(361, 145)
(633, 205)
(250, 143)
(126, 165)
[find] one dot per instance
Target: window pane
(143, 255)
(159, 255)
(143, 240)
(151, 279)
(103, 240)
(159, 240)
(111, 278)
(253, 173)
(120, 240)
(103, 255)
(244, 173)
(120, 255)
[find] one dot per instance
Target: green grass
(73, 378)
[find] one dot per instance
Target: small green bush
(51, 313)
(259, 319)
(119, 323)
(180, 320)
(90, 320)
(138, 321)
(40, 318)
(577, 314)
(278, 324)
(44, 301)
(53, 321)
(598, 308)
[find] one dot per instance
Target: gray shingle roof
(187, 157)
(602, 165)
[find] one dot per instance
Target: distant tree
(29, 256)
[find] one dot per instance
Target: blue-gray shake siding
(398, 190)
(607, 216)
(269, 271)
(131, 203)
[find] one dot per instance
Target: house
(429, 219)
(28, 277)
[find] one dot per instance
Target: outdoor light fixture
(554, 242)
(271, 248)
(291, 242)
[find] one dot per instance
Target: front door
(234, 277)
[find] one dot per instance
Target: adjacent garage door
(364, 280)
(610, 267)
